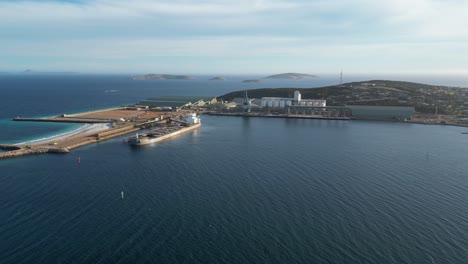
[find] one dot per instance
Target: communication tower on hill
(341, 77)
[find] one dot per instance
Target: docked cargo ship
(176, 127)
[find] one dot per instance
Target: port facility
(121, 120)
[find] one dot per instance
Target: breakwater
(9, 147)
(14, 151)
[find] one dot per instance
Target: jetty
(14, 151)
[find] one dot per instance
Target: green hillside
(426, 98)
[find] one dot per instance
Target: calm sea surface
(237, 190)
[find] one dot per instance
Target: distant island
(425, 98)
(218, 78)
(28, 71)
(251, 81)
(161, 77)
(291, 75)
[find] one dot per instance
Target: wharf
(281, 116)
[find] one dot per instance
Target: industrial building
(282, 102)
(382, 112)
(254, 103)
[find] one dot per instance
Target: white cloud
(416, 18)
(226, 46)
(424, 18)
(367, 33)
(106, 9)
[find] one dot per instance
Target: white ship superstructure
(191, 119)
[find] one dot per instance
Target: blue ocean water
(238, 190)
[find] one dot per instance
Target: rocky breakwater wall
(14, 151)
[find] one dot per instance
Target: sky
(235, 37)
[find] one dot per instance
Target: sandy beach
(84, 129)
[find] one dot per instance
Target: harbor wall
(282, 116)
(27, 150)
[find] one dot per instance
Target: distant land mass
(28, 71)
(218, 78)
(425, 98)
(161, 77)
(251, 81)
(291, 75)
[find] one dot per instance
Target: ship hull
(144, 140)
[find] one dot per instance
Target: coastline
(89, 128)
(434, 123)
(84, 129)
